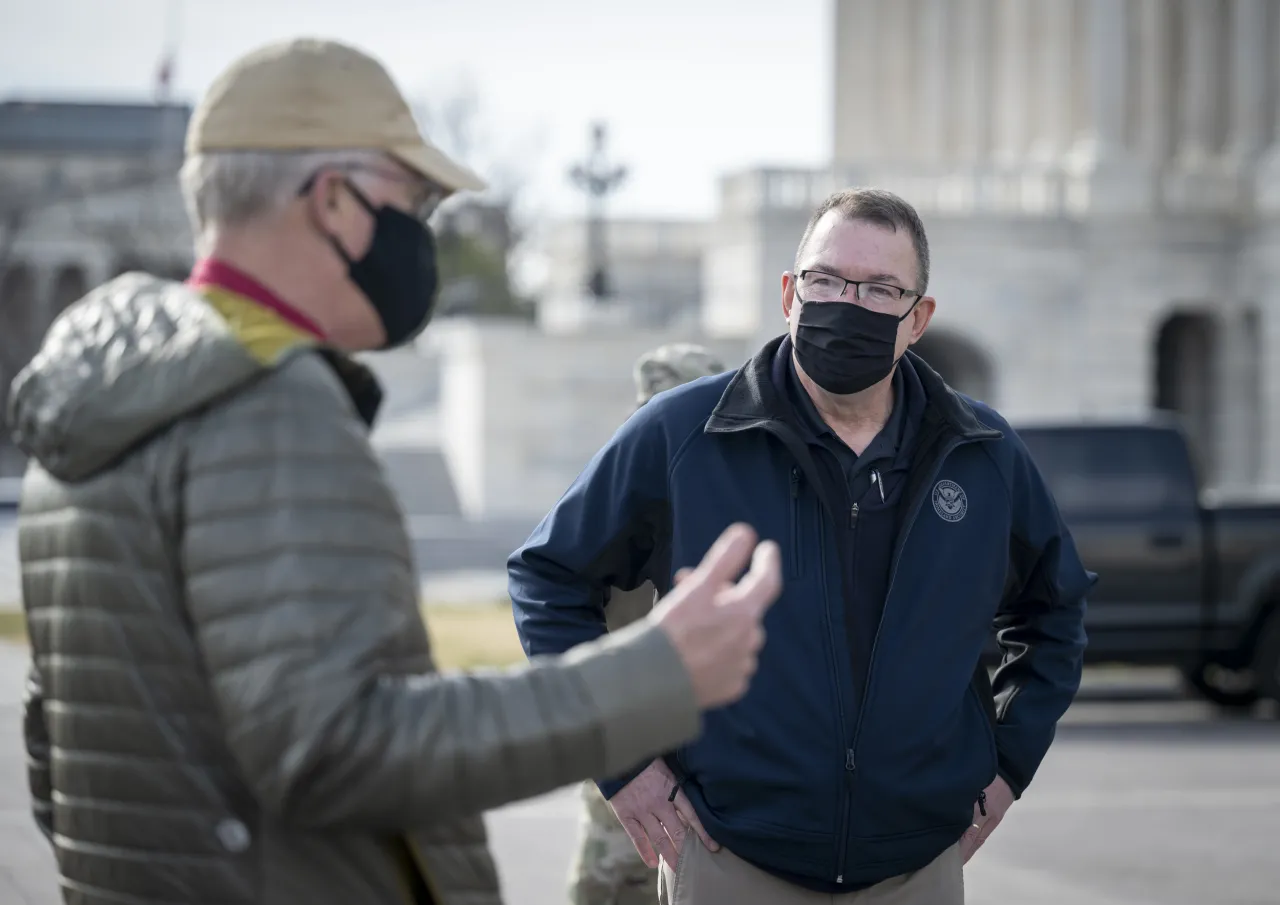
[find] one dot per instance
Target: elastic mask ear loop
(897, 361)
(912, 308)
(364, 202)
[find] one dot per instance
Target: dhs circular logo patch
(949, 501)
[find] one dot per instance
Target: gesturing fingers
(763, 582)
(727, 557)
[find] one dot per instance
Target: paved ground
(1143, 801)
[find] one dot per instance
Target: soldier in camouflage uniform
(607, 870)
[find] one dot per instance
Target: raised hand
(714, 620)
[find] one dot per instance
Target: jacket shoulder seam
(687, 442)
(1006, 477)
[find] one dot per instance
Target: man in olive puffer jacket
(232, 697)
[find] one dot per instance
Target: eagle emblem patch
(950, 501)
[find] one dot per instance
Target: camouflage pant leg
(606, 868)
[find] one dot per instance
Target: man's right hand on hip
(714, 623)
(656, 821)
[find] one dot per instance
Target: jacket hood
(124, 362)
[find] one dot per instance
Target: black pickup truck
(1183, 581)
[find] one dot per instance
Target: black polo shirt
(875, 482)
(880, 454)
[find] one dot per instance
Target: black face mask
(845, 348)
(398, 274)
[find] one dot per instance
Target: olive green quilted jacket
(232, 698)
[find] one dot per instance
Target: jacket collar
(753, 398)
(361, 384)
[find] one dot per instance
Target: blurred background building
(1099, 181)
(87, 191)
(655, 268)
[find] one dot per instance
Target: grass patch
(462, 637)
(473, 636)
(13, 625)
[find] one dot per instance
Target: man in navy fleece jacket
(871, 756)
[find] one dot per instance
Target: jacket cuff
(643, 695)
(610, 787)
(1011, 776)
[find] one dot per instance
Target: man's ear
(921, 315)
(788, 293)
(324, 200)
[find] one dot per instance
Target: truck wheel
(1220, 686)
(1266, 658)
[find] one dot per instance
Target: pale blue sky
(691, 88)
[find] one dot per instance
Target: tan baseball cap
(309, 94)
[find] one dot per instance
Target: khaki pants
(720, 878)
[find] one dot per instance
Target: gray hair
(884, 209)
(231, 188)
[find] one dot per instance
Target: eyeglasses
(818, 286)
(426, 198)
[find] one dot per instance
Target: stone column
(1154, 116)
(935, 117)
(1052, 102)
(1108, 177)
(1108, 64)
(857, 33)
(1270, 395)
(1013, 69)
(1198, 113)
(1267, 191)
(1250, 44)
(975, 89)
(898, 75)
(1239, 399)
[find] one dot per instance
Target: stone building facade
(522, 411)
(1100, 180)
